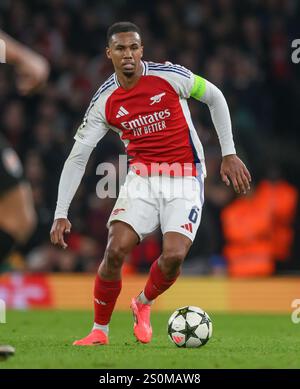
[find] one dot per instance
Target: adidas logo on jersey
(122, 112)
(157, 98)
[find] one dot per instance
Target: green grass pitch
(43, 339)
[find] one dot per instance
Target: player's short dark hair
(122, 27)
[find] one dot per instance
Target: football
(189, 327)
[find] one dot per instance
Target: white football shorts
(173, 203)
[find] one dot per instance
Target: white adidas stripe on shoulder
(169, 67)
(107, 84)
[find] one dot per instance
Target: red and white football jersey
(152, 119)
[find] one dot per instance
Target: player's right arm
(92, 129)
(70, 179)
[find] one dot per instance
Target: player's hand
(234, 170)
(59, 228)
(32, 71)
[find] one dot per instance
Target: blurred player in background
(146, 104)
(17, 215)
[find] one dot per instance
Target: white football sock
(101, 327)
(143, 299)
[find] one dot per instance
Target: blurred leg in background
(17, 216)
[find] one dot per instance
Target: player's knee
(18, 216)
(114, 256)
(31, 222)
(27, 224)
(171, 261)
(21, 227)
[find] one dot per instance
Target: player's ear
(142, 51)
(108, 53)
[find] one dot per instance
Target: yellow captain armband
(198, 89)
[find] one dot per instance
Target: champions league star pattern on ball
(189, 327)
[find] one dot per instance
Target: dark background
(243, 47)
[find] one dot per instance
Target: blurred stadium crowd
(244, 47)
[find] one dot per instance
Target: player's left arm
(232, 168)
